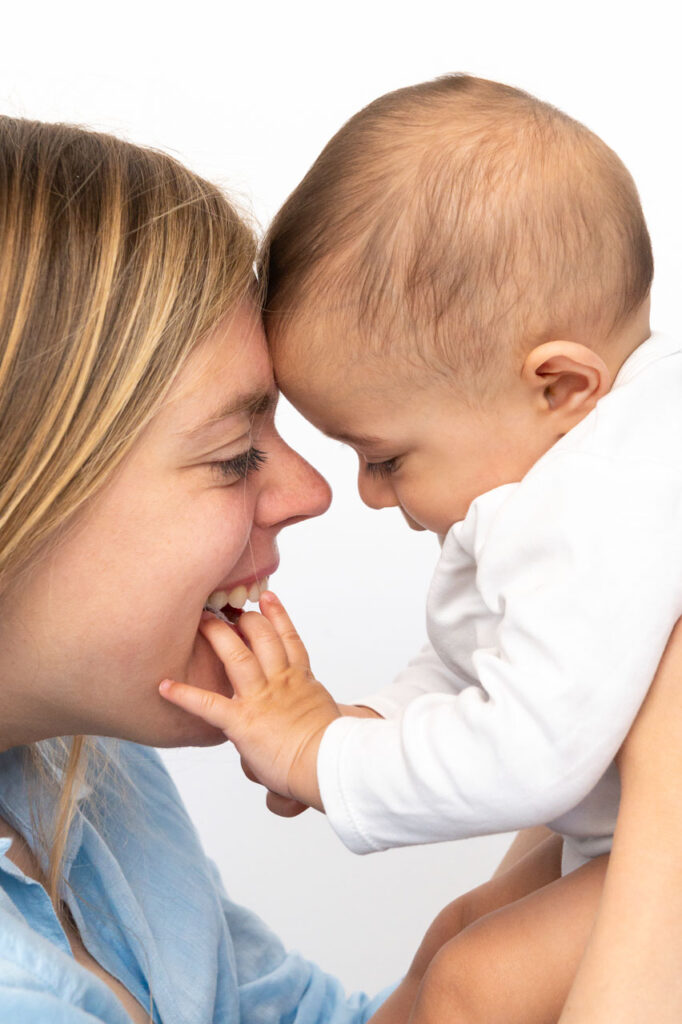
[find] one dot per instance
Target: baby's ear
(569, 377)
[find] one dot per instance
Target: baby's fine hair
(455, 224)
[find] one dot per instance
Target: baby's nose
(375, 493)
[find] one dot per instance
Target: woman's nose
(294, 491)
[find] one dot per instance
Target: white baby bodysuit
(547, 615)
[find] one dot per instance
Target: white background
(247, 95)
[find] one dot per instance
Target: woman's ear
(569, 377)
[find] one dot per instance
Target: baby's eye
(241, 465)
(382, 469)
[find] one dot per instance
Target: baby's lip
(412, 523)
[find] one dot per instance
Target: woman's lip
(247, 581)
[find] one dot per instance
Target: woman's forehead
(229, 372)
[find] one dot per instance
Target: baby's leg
(537, 868)
(516, 964)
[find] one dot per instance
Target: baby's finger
(273, 609)
(248, 771)
(212, 707)
(242, 666)
(264, 641)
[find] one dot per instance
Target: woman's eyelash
(241, 465)
(382, 469)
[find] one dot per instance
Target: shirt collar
(16, 799)
(657, 346)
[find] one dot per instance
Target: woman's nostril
(296, 519)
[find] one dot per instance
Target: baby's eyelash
(241, 465)
(382, 469)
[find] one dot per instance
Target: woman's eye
(241, 465)
(382, 469)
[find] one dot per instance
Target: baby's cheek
(423, 509)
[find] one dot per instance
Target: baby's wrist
(302, 782)
(358, 711)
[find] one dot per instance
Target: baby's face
(420, 447)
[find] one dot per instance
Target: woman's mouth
(231, 602)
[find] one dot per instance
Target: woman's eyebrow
(254, 403)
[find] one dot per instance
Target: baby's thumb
(284, 806)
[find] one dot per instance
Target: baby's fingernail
(209, 614)
(165, 686)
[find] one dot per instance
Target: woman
(140, 472)
(630, 971)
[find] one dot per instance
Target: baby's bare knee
(452, 920)
(453, 987)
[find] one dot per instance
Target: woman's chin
(205, 669)
(177, 728)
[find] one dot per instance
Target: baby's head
(453, 286)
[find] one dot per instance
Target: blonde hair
(115, 261)
(455, 224)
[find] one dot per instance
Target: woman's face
(114, 607)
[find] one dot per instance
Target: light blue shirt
(150, 907)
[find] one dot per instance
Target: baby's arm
(424, 673)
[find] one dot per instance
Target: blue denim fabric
(150, 907)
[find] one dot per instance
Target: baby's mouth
(229, 605)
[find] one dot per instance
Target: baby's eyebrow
(357, 440)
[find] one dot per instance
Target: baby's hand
(279, 711)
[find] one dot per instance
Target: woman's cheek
(230, 523)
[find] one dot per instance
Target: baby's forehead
(322, 342)
(310, 321)
(353, 396)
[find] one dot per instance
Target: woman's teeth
(237, 597)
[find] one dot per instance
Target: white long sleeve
(548, 612)
(425, 673)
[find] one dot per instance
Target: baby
(459, 289)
